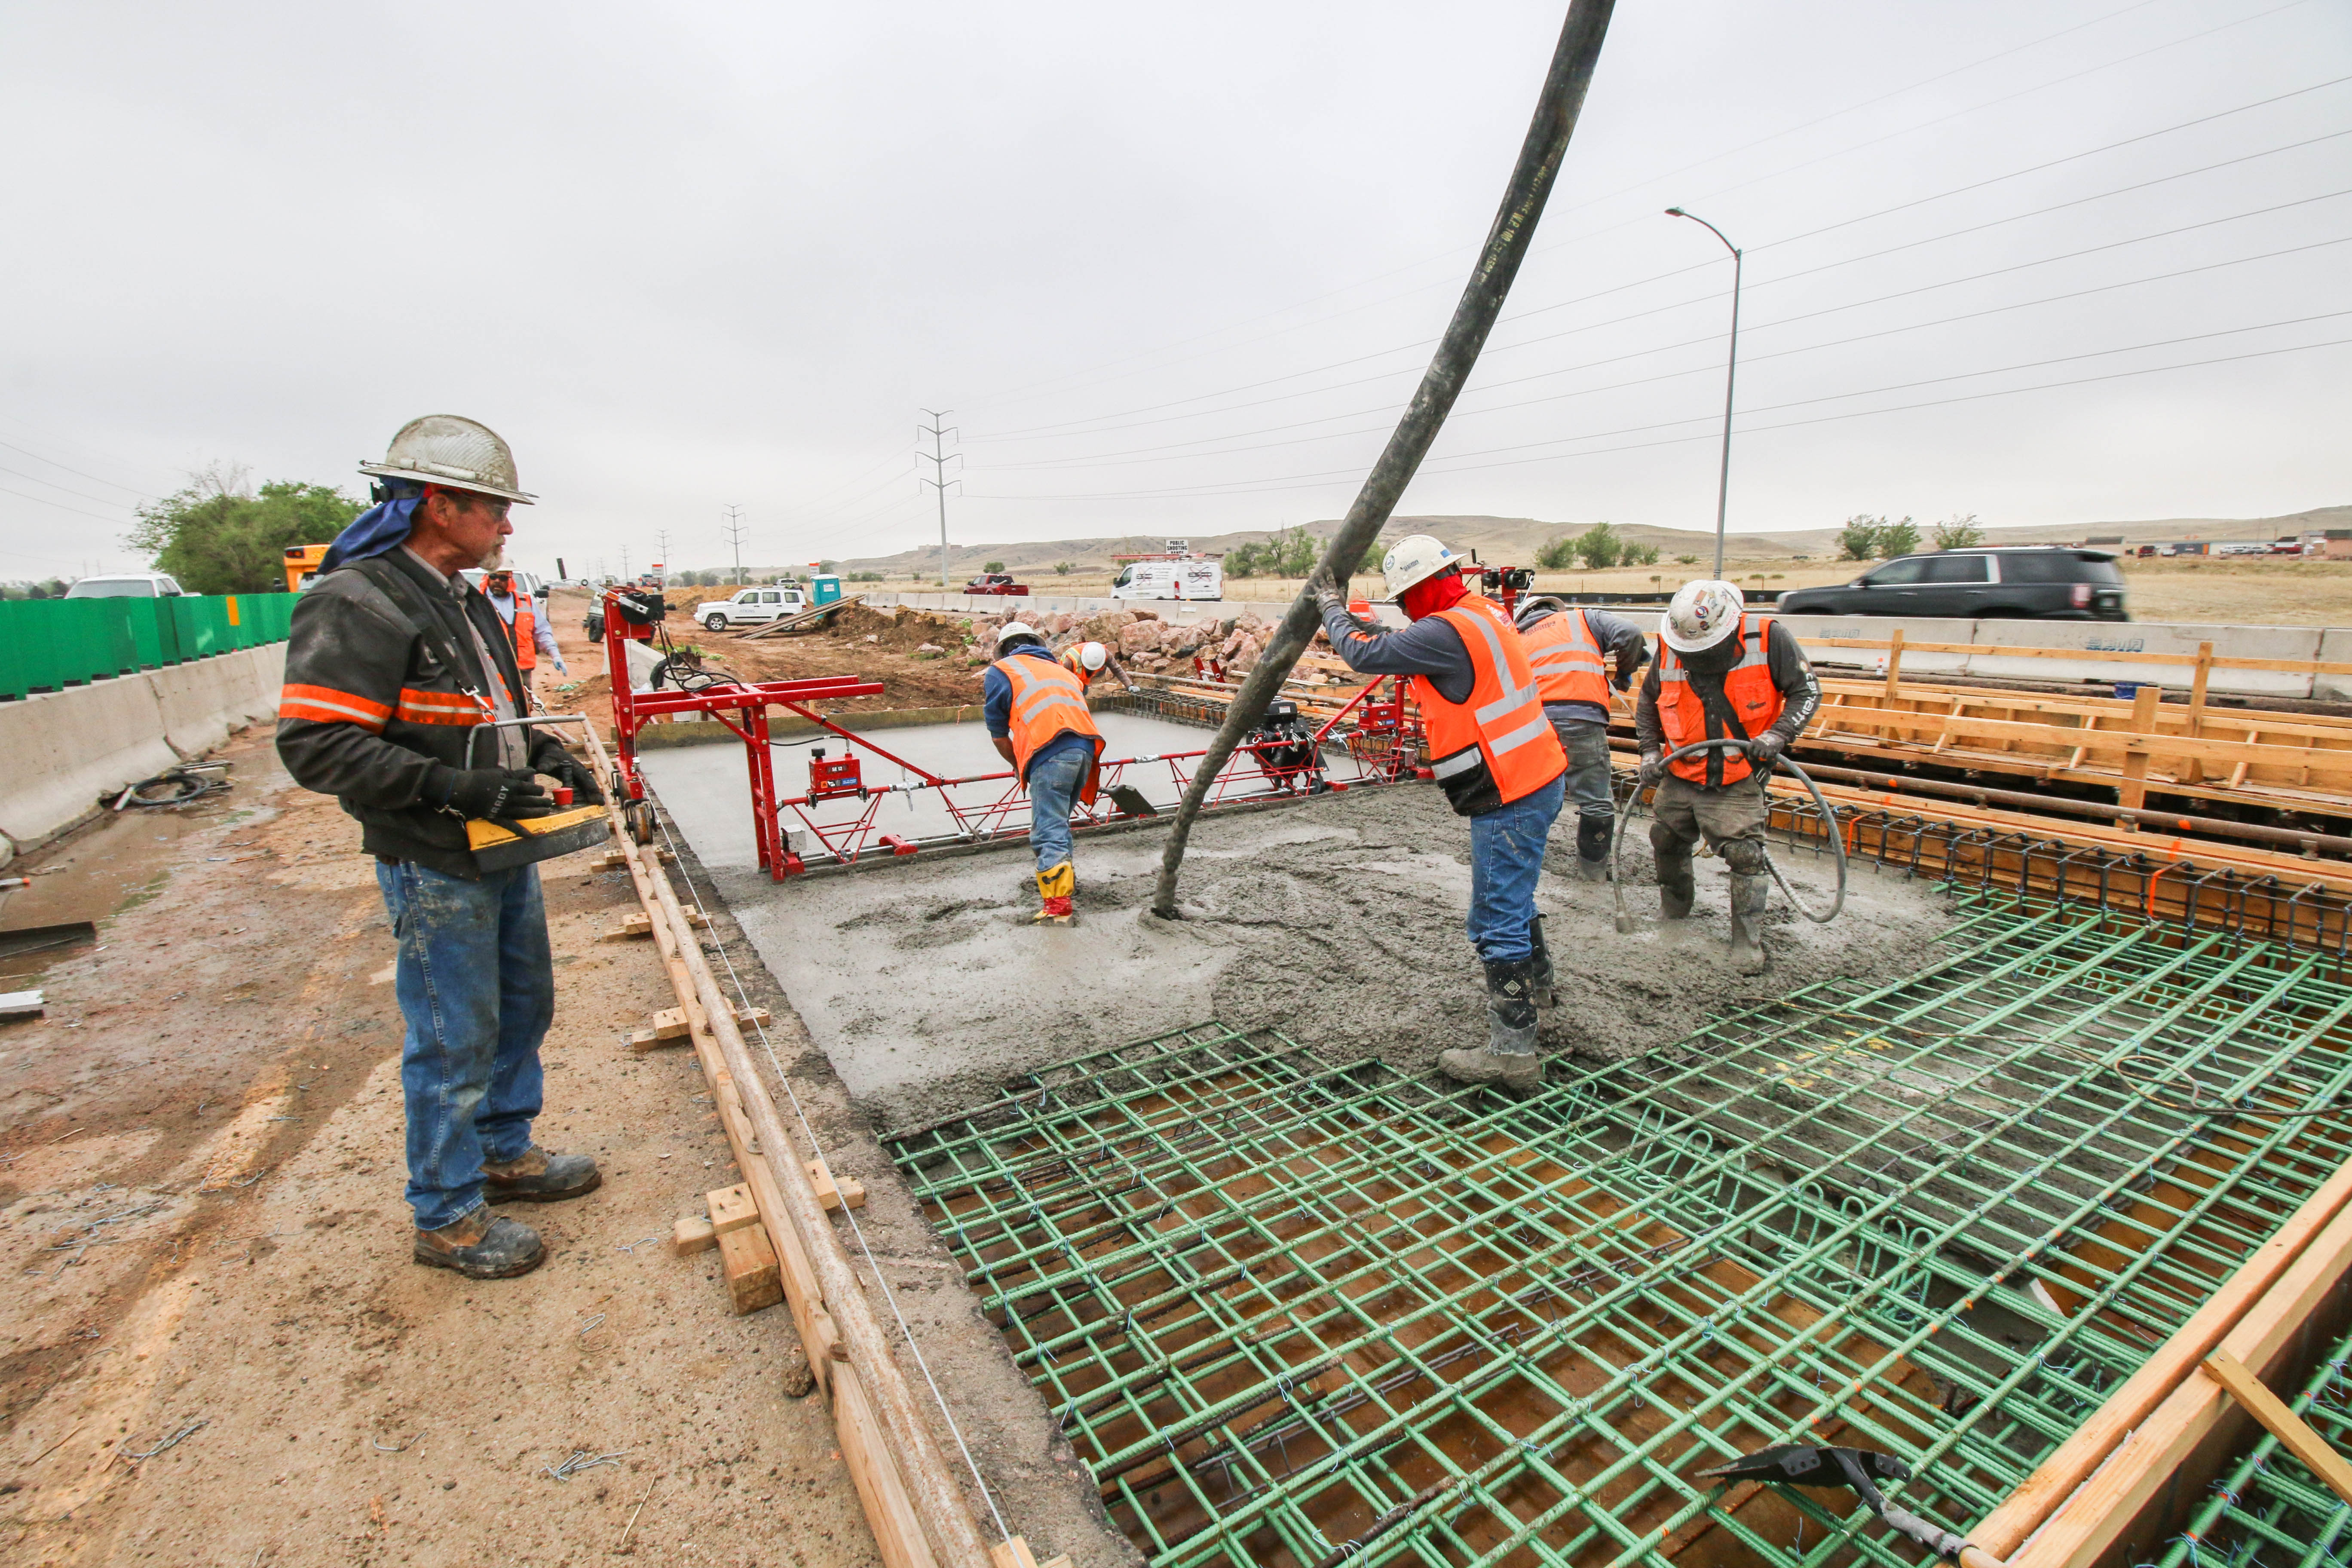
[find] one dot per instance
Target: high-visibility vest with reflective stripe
(1501, 729)
(1566, 659)
(1047, 703)
(1747, 690)
(523, 628)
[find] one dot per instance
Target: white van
(1197, 577)
(750, 607)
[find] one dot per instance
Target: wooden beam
(755, 1278)
(2282, 1423)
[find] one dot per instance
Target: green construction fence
(49, 645)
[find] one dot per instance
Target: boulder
(1138, 636)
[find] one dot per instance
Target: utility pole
(1723, 486)
(938, 458)
(734, 527)
(664, 564)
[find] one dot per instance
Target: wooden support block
(733, 1208)
(1012, 1553)
(845, 1194)
(2293, 1433)
(754, 1277)
(671, 1028)
(689, 1235)
(758, 1016)
(637, 925)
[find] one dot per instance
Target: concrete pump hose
(1787, 764)
(1532, 178)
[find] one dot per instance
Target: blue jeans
(1588, 770)
(476, 985)
(1054, 784)
(1507, 851)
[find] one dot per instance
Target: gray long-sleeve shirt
(1615, 635)
(1792, 677)
(1430, 648)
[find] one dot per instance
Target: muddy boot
(1748, 895)
(1675, 888)
(1593, 847)
(1508, 1057)
(1055, 888)
(539, 1177)
(1540, 961)
(482, 1245)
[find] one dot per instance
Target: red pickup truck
(996, 582)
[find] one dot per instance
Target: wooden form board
(2079, 654)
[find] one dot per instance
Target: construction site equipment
(1781, 764)
(1798, 1464)
(1508, 240)
(500, 845)
(181, 785)
(302, 565)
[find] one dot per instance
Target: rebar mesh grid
(2268, 1511)
(1293, 1311)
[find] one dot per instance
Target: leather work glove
(547, 756)
(493, 794)
(1653, 769)
(1766, 749)
(1327, 595)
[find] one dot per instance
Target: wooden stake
(1893, 662)
(2193, 770)
(2282, 1423)
(2133, 791)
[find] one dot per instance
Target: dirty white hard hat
(1536, 607)
(459, 453)
(1701, 614)
(1011, 629)
(1093, 655)
(1414, 559)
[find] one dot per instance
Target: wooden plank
(1894, 663)
(2094, 656)
(629, 929)
(671, 1026)
(2282, 1423)
(754, 1277)
(689, 1235)
(897, 1530)
(844, 1195)
(733, 1208)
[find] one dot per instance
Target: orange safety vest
(522, 629)
(1566, 659)
(1048, 702)
(1747, 689)
(1497, 747)
(1068, 659)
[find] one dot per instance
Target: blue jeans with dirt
(476, 985)
(1054, 781)
(1589, 775)
(1507, 851)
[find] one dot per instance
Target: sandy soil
(199, 1205)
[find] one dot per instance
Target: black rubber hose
(1785, 763)
(1481, 300)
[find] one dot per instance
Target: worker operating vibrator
(401, 699)
(1500, 763)
(1037, 717)
(1722, 674)
(1567, 646)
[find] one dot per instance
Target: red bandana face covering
(1430, 594)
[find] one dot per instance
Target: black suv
(2025, 582)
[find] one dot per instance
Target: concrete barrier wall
(66, 749)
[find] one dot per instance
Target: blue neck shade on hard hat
(383, 527)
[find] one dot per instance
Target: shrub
(1958, 532)
(1600, 547)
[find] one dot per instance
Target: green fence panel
(15, 663)
(47, 644)
(40, 626)
(146, 633)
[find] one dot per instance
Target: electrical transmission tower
(938, 458)
(734, 527)
(663, 565)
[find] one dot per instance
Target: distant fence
(49, 645)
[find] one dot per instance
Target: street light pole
(1730, 377)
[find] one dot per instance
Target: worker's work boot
(1592, 834)
(539, 1177)
(1748, 895)
(482, 1245)
(1675, 888)
(1539, 965)
(1508, 1057)
(1055, 888)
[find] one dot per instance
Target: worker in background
(1500, 765)
(1565, 649)
(1722, 674)
(528, 632)
(1087, 659)
(1037, 714)
(393, 664)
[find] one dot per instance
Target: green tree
(1958, 532)
(1641, 555)
(218, 537)
(1062, 568)
(1558, 555)
(1858, 540)
(1897, 538)
(1600, 547)
(1242, 560)
(993, 567)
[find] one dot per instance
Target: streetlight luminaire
(1730, 377)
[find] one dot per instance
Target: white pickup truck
(750, 607)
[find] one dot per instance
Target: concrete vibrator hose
(1785, 763)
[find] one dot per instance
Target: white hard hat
(1011, 629)
(445, 449)
(1414, 559)
(1536, 607)
(1093, 655)
(1702, 614)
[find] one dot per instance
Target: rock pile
(1141, 640)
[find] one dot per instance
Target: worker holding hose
(1500, 765)
(1565, 648)
(1722, 674)
(1037, 717)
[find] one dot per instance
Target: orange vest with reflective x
(1747, 690)
(1566, 659)
(1048, 702)
(1497, 747)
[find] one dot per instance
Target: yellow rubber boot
(1055, 886)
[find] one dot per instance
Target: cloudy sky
(1172, 269)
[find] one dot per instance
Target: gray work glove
(1653, 769)
(1766, 749)
(493, 794)
(1327, 596)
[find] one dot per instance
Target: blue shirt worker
(1500, 763)
(527, 628)
(1567, 646)
(1037, 717)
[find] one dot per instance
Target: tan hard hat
(451, 450)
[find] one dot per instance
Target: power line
(733, 527)
(939, 458)
(53, 484)
(78, 512)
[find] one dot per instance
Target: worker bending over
(1037, 714)
(1087, 659)
(528, 632)
(392, 663)
(1565, 647)
(1500, 765)
(1721, 674)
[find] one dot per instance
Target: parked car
(2030, 581)
(996, 582)
(749, 606)
(2284, 547)
(127, 585)
(2241, 547)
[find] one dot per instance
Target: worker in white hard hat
(1038, 718)
(1087, 659)
(527, 625)
(396, 668)
(1722, 674)
(1500, 763)
(1573, 650)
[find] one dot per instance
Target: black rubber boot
(1676, 889)
(1748, 897)
(1539, 961)
(482, 1245)
(1593, 847)
(539, 1177)
(1508, 1057)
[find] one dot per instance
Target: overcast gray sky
(1174, 269)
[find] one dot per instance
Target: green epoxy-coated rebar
(2269, 1510)
(1289, 1311)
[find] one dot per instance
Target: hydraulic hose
(1557, 108)
(1783, 762)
